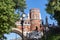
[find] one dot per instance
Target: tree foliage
(20, 4)
(7, 15)
(53, 8)
(54, 34)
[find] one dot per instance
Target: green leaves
(20, 4)
(53, 5)
(53, 8)
(7, 15)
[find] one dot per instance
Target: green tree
(53, 8)
(8, 16)
(20, 4)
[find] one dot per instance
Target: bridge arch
(18, 31)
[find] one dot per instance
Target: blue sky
(35, 4)
(41, 4)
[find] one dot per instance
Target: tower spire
(46, 21)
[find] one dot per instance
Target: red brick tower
(35, 18)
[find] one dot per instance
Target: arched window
(34, 16)
(25, 22)
(37, 16)
(28, 22)
(36, 28)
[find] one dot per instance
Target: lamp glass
(24, 15)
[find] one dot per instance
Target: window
(28, 22)
(25, 22)
(37, 17)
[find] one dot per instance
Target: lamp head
(23, 15)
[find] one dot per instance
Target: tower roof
(34, 9)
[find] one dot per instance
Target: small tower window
(37, 16)
(28, 22)
(25, 22)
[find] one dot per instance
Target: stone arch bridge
(19, 32)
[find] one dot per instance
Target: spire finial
(46, 21)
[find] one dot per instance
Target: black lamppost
(22, 22)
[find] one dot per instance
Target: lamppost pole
(22, 22)
(22, 28)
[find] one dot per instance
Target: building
(32, 21)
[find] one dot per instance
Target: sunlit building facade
(32, 21)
